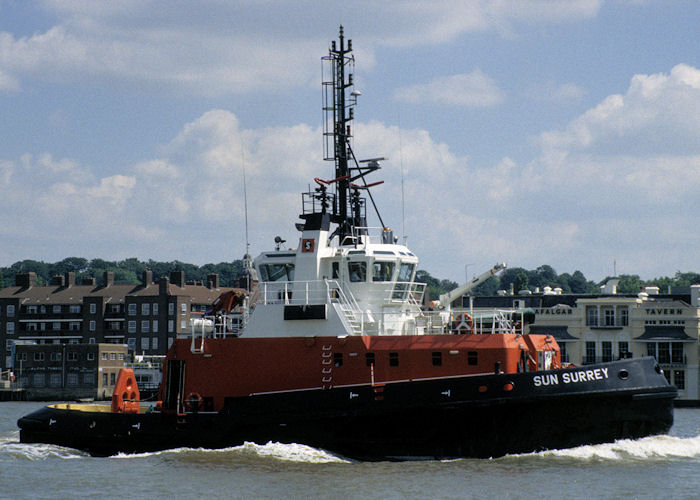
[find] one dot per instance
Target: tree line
(130, 271)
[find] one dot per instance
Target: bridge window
(437, 359)
(472, 358)
(338, 359)
(277, 272)
(406, 272)
(369, 358)
(357, 271)
(382, 271)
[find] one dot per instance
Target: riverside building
(145, 317)
(606, 327)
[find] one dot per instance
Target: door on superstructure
(174, 384)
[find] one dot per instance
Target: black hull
(475, 416)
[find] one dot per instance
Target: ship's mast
(338, 114)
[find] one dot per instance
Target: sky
(564, 133)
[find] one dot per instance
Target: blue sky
(533, 132)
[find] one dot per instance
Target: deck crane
(446, 299)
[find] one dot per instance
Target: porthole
(483, 388)
(508, 387)
(623, 374)
(658, 369)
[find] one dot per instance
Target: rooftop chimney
(108, 277)
(213, 280)
(70, 278)
(25, 280)
(147, 277)
(164, 286)
(178, 278)
(58, 280)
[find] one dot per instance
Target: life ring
(194, 402)
(463, 323)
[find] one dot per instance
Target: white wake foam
(653, 447)
(279, 451)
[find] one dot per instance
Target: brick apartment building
(145, 317)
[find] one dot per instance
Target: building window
(72, 379)
(171, 308)
(10, 327)
(154, 343)
(155, 309)
(677, 352)
(112, 378)
(591, 316)
(623, 315)
(623, 349)
(132, 309)
(145, 309)
(369, 358)
(56, 356)
(145, 326)
(31, 309)
(91, 356)
(38, 380)
(10, 311)
(121, 356)
(131, 342)
(104, 379)
(93, 325)
(679, 379)
(338, 359)
(563, 355)
(393, 359)
(38, 356)
(21, 356)
(55, 380)
(75, 309)
(183, 309)
(113, 356)
(183, 324)
(651, 349)
(155, 326)
(31, 327)
(93, 308)
(132, 327)
(72, 356)
(57, 309)
(608, 316)
(590, 352)
(170, 342)
(74, 326)
(105, 355)
(42, 309)
(92, 340)
(171, 326)
(144, 343)
(89, 379)
(56, 325)
(607, 351)
(114, 308)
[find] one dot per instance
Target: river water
(655, 467)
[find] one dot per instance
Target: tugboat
(333, 348)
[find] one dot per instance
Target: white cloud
(659, 112)
(473, 89)
(222, 48)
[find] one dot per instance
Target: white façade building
(598, 328)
